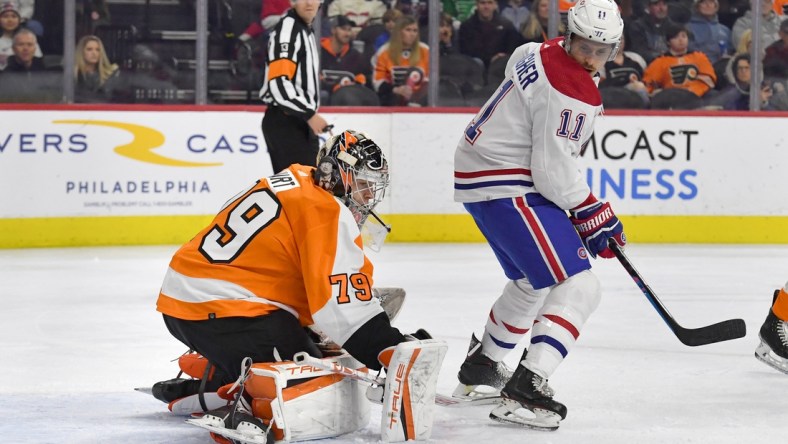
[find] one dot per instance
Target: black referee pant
(225, 342)
(289, 139)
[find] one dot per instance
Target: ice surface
(79, 330)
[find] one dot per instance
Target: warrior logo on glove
(596, 223)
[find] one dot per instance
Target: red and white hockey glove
(595, 222)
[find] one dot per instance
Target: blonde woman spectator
(10, 23)
(745, 43)
(389, 20)
(534, 29)
(402, 65)
(94, 73)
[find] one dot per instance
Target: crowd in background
(676, 54)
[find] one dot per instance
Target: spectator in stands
(24, 58)
(389, 20)
(709, 35)
(736, 96)
(362, 12)
(781, 8)
(770, 24)
(95, 76)
(10, 24)
(516, 12)
(775, 62)
(534, 29)
(625, 71)
(745, 43)
(460, 9)
(446, 36)
(486, 35)
(415, 8)
(679, 68)
(270, 13)
(647, 34)
(27, 9)
(402, 66)
(340, 64)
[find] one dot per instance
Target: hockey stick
(721, 331)
(305, 359)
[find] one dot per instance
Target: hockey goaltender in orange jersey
(280, 268)
(287, 245)
(280, 240)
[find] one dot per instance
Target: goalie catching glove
(596, 223)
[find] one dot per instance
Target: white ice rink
(79, 330)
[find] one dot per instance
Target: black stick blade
(719, 332)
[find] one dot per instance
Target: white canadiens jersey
(526, 138)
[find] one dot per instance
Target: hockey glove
(595, 222)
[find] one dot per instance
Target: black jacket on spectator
(485, 39)
(19, 84)
(89, 89)
(647, 38)
(348, 60)
(15, 66)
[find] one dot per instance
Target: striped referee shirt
(292, 67)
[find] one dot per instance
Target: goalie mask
(354, 169)
(596, 20)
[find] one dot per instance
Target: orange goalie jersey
(282, 244)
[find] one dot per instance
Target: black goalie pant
(289, 139)
(225, 342)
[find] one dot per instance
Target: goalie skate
(765, 354)
(240, 428)
(773, 349)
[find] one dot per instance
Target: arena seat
(676, 98)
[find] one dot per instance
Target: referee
(291, 89)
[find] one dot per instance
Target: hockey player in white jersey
(516, 174)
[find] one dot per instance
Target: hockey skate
(528, 401)
(481, 378)
(176, 388)
(229, 425)
(773, 349)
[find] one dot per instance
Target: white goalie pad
(409, 399)
(306, 402)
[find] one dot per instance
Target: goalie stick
(721, 331)
(358, 375)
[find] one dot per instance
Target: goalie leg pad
(305, 402)
(409, 398)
